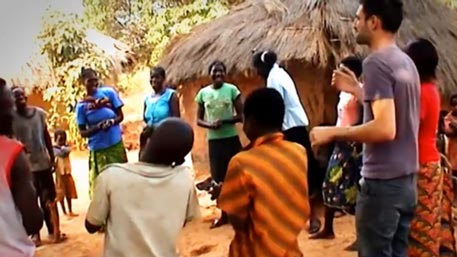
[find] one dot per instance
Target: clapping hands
(106, 124)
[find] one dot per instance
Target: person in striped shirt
(265, 192)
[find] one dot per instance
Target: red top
(429, 118)
(8, 153)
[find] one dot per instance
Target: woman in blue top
(99, 116)
(162, 103)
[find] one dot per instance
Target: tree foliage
(147, 26)
(63, 42)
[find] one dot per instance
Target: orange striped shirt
(266, 188)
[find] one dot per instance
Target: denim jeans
(384, 212)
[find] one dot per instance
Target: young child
(65, 185)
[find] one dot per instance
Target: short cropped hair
(390, 12)
(266, 107)
(425, 57)
(353, 63)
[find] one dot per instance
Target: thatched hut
(310, 37)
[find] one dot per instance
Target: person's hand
(108, 124)
(216, 124)
(344, 80)
(322, 135)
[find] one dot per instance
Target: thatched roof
(37, 73)
(316, 32)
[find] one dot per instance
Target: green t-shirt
(218, 105)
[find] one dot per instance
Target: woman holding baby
(99, 116)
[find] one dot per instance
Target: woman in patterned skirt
(430, 234)
(343, 171)
(99, 116)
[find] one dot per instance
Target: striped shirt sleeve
(235, 197)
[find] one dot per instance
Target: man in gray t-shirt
(29, 127)
(390, 96)
(390, 74)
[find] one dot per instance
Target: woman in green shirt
(219, 108)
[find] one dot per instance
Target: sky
(20, 23)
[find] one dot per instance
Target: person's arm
(47, 138)
(85, 130)
(48, 142)
(174, 105)
(201, 118)
(98, 211)
(193, 207)
(119, 116)
(234, 198)
(378, 90)
(144, 113)
(117, 103)
(24, 195)
(345, 80)
(238, 103)
(201, 122)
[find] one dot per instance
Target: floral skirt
(432, 233)
(342, 177)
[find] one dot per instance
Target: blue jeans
(384, 211)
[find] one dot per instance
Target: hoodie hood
(150, 170)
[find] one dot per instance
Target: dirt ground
(196, 239)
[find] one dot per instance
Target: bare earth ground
(196, 239)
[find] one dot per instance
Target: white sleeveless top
(14, 241)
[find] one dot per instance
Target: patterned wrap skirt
(432, 233)
(101, 158)
(340, 186)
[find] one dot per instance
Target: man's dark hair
(2, 83)
(158, 70)
(266, 107)
(353, 63)
(168, 143)
(390, 12)
(425, 57)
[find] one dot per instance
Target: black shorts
(221, 152)
(316, 175)
(44, 185)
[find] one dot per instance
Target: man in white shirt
(145, 205)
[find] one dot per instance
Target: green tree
(147, 26)
(63, 41)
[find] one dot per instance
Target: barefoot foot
(323, 235)
(314, 226)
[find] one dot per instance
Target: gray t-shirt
(30, 132)
(390, 74)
